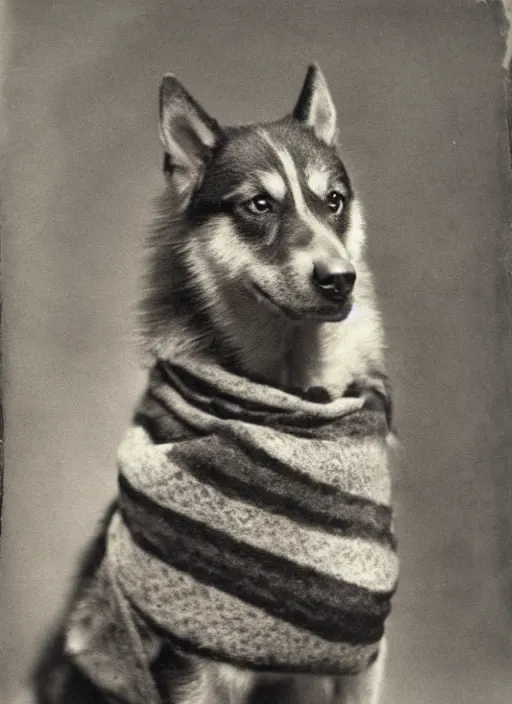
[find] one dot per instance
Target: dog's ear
(315, 107)
(188, 135)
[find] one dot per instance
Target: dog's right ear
(188, 135)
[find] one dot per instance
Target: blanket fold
(254, 526)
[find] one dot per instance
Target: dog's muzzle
(334, 278)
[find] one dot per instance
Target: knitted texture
(253, 526)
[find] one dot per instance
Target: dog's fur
(247, 214)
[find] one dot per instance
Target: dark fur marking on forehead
(244, 150)
(306, 149)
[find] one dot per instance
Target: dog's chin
(334, 312)
(338, 315)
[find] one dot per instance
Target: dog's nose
(335, 278)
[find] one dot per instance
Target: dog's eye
(258, 205)
(335, 201)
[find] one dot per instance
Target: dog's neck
(291, 356)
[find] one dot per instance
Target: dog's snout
(334, 277)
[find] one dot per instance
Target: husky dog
(259, 250)
(257, 265)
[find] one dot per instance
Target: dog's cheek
(219, 247)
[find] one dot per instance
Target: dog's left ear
(315, 107)
(188, 135)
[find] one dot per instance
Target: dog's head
(270, 209)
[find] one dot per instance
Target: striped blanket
(252, 526)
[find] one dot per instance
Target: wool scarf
(252, 526)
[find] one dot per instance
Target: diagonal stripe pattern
(254, 526)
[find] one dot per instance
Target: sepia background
(419, 88)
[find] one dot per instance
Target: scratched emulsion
(507, 10)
